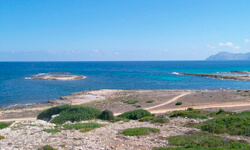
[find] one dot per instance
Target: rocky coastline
(240, 72)
(218, 76)
(58, 76)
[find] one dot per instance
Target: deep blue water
(15, 89)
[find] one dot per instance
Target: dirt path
(202, 107)
(170, 101)
(16, 119)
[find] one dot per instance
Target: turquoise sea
(16, 87)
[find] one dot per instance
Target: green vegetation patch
(83, 127)
(75, 113)
(197, 113)
(107, 115)
(233, 125)
(146, 119)
(51, 130)
(135, 114)
(47, 147)
(130, 102)
(5, 124)
(160, 120)
(2, 137)
(178, 103)
(116, 119)
(150, 101)
(206, 141)
(140, 131)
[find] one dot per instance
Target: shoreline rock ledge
(58, 76)
(218, 76)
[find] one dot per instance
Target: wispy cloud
(211, 46)
(229, 44)
(247, 40)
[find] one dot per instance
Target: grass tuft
(83, 127)
(140, 131)
(135, 114)
(51, 130)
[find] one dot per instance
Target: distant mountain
(229, 56)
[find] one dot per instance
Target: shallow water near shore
(16, 86)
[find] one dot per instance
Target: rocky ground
(28, 135)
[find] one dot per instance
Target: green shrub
(146, 119)
(5, 124)
(234, 125)
(135, 114)
(190, 109)
(1, 137)
(83, 127)
(130, 102)
(140, 131)
(159, 120)
(150, 101)
(76, 113)
(51, 130)
(116, 119)
(178, 103)
(206, 141)
(47, 147)
(107, 115)
(138, 106)
(46, 114)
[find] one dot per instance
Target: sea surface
(16, 87)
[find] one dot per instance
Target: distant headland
(229, 56)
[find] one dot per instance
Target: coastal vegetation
(197, 113)
(51, 130)
(150, 101)
(1, 137)
(69, 113)
(46, 147)
(204, 141)
(142, 131)
(238, 124)
(107, 115)
(4, 124)
(83, 127)
(153, 119)
(135, 114)
(178, 103)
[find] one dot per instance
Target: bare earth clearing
(163, 101)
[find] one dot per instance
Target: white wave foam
(27, 78)
(176, 73)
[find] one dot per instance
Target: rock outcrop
(58, 76)
(218, 76)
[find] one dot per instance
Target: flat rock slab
(217, 76)
(58, 76)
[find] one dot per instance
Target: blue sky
(94, 30)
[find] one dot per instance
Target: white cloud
(247, 40)
(211, 46)
(229, 44)
(236, 47)
(95, 51)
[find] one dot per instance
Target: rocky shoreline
(58, 76)
(218, 76)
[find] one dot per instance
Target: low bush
(83, 127)
(196, 113)
(178, 103)
(47, 147)
(1, 137)
(51, 130)
(135, 114)
(107, 115)
(234, 125)
(159, 120)
(4, 124)
(116, 119)
(206, 141)
(147, 119)
(76, 113)
(140, 131)
(130, 102)
(46, 114)
(150, 101)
